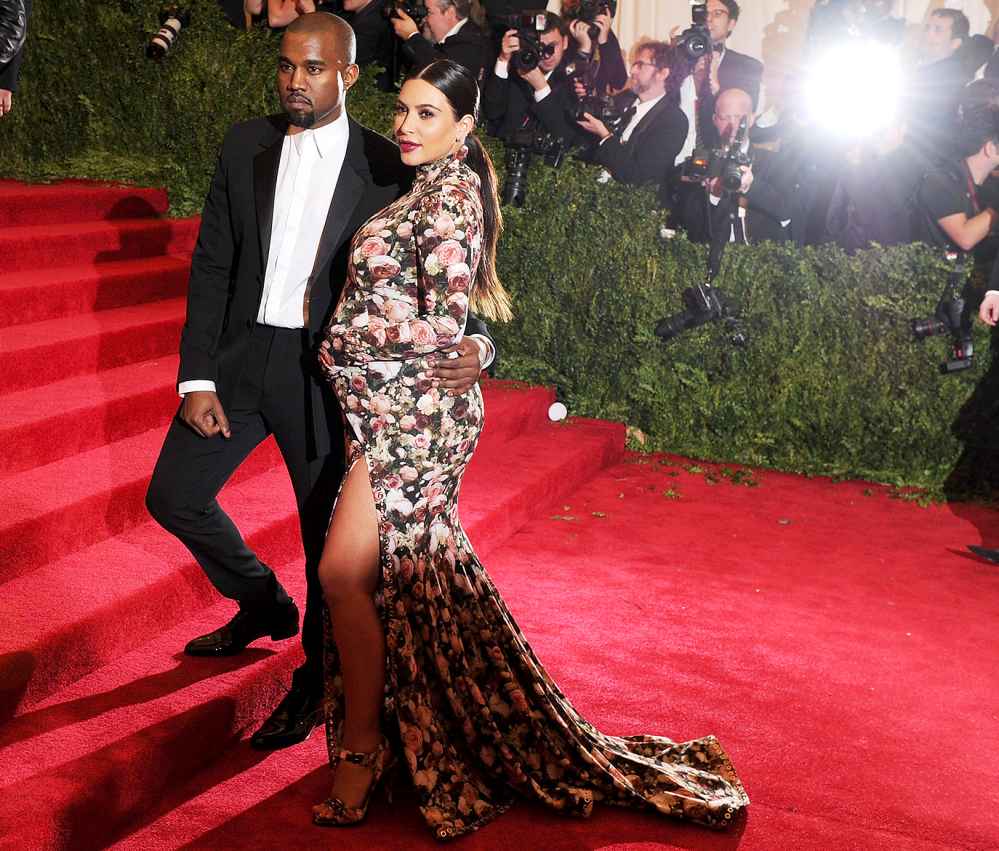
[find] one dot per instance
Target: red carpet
(839, 644)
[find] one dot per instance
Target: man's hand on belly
(458, 375)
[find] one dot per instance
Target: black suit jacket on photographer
(509, 105)
(652, 148)
(13, 33)
(372, 32)
(612, 75)
(470, 46)
(736, 71)
(769, 204)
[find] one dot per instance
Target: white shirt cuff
(541, 94)
(186, 387)
(992, 292)
(502, 69)
(486, 353)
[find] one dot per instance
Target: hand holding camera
(509, 46)
(403, 25)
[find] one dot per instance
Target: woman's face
(425, 126)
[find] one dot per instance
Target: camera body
(521, 149)
(952, 318)
(601, 107)
(416, 9)
(695, 41)
(587, 10)
(702, 304)
(726, 163)
(172, 20)
(529, 26)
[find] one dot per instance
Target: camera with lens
(587, 10)
(695, 41)
(529, 26)
(521, 148)
(702, 304)
(601, 107)
(725, 163)
(952, 318)
(416, 9)
(172, 20)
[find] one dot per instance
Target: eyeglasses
(638, 63)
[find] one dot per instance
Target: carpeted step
(44, 424)
(41, 246)
(79, 613)
(50, 641)
(43, 352)
(61, 508)
(35, 295)
(76, 201)
(117, 742)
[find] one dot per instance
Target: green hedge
(830, 382)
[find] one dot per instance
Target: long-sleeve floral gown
(480, 720)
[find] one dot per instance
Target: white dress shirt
(307, 176)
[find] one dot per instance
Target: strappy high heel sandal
(335, 813)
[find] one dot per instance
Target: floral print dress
(480, 720)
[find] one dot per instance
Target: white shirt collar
(326, 138)
(454, 29)
(644, 106)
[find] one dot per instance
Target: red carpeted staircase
(839, 642)
(102, 716)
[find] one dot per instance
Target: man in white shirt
(645, 148)
(288, 194)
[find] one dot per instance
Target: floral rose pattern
(478, 718)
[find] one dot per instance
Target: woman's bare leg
(348, 572)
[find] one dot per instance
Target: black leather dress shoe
(289, 724)
(249, 624)
(988, 555)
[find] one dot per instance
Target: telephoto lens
(172, 20)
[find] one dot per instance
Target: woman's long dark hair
(488, 297)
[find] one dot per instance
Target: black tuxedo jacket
(769, 202)
(230, 258)
(736, 71)
(651, 151)
(470, 46)
(509, 105)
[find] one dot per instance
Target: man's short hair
(733, 9)
(979, 113)
(662, 53)
(462, 8)
(555, 22)
(960, 27)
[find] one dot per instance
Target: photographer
(654, 130)
(515, 98)
(13, 33)
(604, 52)
(938, 83)
(719, 70)
(454, 36)
(951, 212)
(764, 199)
(372, 31)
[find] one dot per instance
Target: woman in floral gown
(418, 637)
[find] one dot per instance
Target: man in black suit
(764, 202)
(455, 37)
(371, 31)
(541, 99)
(645, 147)
(720, 70)
(288, 193)
(13, 33)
